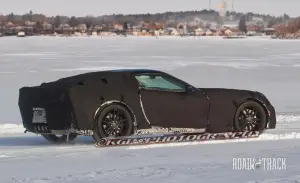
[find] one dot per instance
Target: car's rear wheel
(113, 121)
(59, 138)
(250, 116)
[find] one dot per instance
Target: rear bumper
(51, 102)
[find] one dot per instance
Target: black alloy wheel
(113, 121)
(250, 116)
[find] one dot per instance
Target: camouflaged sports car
(128, 102)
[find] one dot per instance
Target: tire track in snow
(153, 172)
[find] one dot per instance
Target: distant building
(231, 24)
(257, 19)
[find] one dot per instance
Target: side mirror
(189, 89)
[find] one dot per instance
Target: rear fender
(107, 103)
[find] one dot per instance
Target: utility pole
(232, 5)
(209, 2)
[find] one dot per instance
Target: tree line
(168, 18)
(292, 27)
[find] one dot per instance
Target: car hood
(225, 90)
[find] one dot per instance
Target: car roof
(87, 76)
(136, 70)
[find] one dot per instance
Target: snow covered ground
(270, 66)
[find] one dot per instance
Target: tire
(113, 117)
(59, 139)
(250, 116)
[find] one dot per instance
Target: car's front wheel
(59, 138)
(250, 116)
(113, 121)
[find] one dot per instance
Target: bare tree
(57, 21)
(242, 24)
(73, 22)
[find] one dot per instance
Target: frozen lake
(269, 66)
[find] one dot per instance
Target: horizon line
(162, 12)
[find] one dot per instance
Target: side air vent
(104, 80)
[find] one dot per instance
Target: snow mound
(287, 118)
(6, 129)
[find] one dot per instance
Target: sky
(101, 7)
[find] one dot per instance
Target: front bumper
(272, 118)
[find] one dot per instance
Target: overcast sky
(100, 7)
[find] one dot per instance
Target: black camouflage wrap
(76, 101)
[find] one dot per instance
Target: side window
(159, 82)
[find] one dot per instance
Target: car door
(170, 103)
